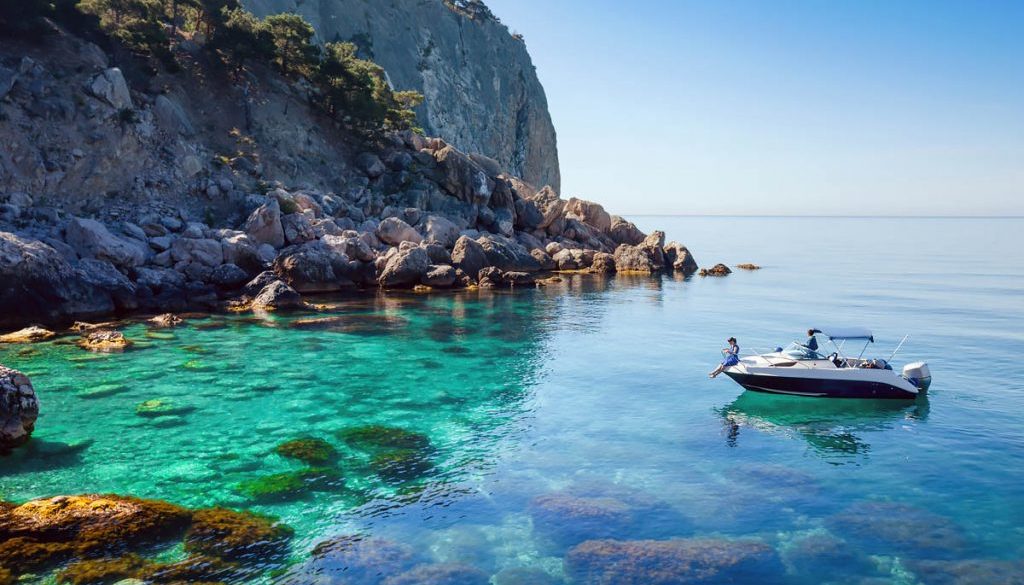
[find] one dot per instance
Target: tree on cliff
(294, 51)
(136, 24)
(242, 38)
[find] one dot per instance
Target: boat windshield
(798, 351)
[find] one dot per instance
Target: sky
(809, 107)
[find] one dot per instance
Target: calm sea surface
(583, 411)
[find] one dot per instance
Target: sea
(570, 434)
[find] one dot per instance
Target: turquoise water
(591, 392)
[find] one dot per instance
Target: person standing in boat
(732, 357)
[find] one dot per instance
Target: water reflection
(833, 429)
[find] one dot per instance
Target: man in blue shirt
(812, 341)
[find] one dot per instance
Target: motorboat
(801, 371)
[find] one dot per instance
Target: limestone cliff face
(482, 92)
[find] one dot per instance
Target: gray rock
(297, 229)
(351, 246)
(277, 295)
(203, 251)
(395, 231)
(172, 223)
(154, 229)
(468, 255)
(19, 409)
(91, 239)
(437, 229)
(111, 87)
(106, 277)
(507, 254)
(159, 279)
(680, 259)
(239, 249)
(312, 268)
(195, 230)
(542, 258)
(405, 268)
(371, 164)
(41, 286)
(172, 117)
(264, 224)
(624, 232)
(133, 231)
(589, 213)
(228, 276)
(438, 254)
(440, 276)
(257, 284)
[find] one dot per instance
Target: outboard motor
(919, 375)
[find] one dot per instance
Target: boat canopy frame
(845, 333)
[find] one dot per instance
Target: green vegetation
(353, 91)
(308, 450)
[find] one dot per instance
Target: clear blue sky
(784, 107)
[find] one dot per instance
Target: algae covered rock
(19, 409)
(161, 407)
(672, 562)
(401, 465)
(28, 335)
(237, 536)
(353, 559)
(278, 487)
(308, 450)
(716, 270)
(885, 527)
(384, 437)
(43, 532)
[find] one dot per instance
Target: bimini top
(834, 333)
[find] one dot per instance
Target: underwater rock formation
(19, 409)
(716, 270)
(888, 527)
(672, 562)
(353, 559)
(308, 450)
(237, 536)
(28, 335)
(104, 340)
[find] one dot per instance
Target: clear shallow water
(592, 393)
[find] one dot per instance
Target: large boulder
(439, 230)
(264, 224)
(171, 117)
(277, 295)
(679, 258)
(625, 232)
(239, 249)
(589, 213)
(405, 268)
(203, 251)
(463, 178)
(111, 87)
(40, 285)
(441, 276)
(550, 206)
(91, 239)
(507, 254)
(646, 257)
(19, 409)
(672, 562)
(312, 268)
(468, 255)
(351, 246)
(106, 277)
(297, 229)
(394, 231)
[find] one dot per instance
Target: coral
(384, 437)
(308, 450)
(237, 536)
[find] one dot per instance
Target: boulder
(352, 559)
(633, 259)
(41, 286)
(237, 536)
(440, 574)
(463, 178)
(277, 295)
(171, 117)
(439, 230)
(440, 276)
(371, 164)
(603, 263)
(257, 284)
(264, 224)
(242, 251)
(19, 409)
(490, 277)
(528, 217)
(405, 268)
(507, 254)
(104, 276)
(545, 261)
(28, 335)
(748, 266)
(394, 231)
(551, 207)
(438, 254)
(111, 87)
(672, 562)
(228, 276)
(589, 213)
(91, 239)
(297, 229)
(202, 251)
(624, 232)
(468, 255)
(104, 340)
(159, 279)
(312, 268)
(716, 270)
(679, 258)
(351, 246)
(165, 320)
(514, 278)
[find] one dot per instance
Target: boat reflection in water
(835, 429)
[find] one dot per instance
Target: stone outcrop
(468, 66)
(716, 270)
(19, 409)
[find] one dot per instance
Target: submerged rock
(161, 407)
(237, 536)
(28, 335)
(353, 559)
(19, 409)
(384, 437)
(166, 320)
(40, 533)
(440, 574)
(969, 572)
(308, 450)
(888, 527)
(401, 465)
(748, 266)
(680, 258)
(672, 562)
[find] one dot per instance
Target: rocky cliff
(482, 92)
